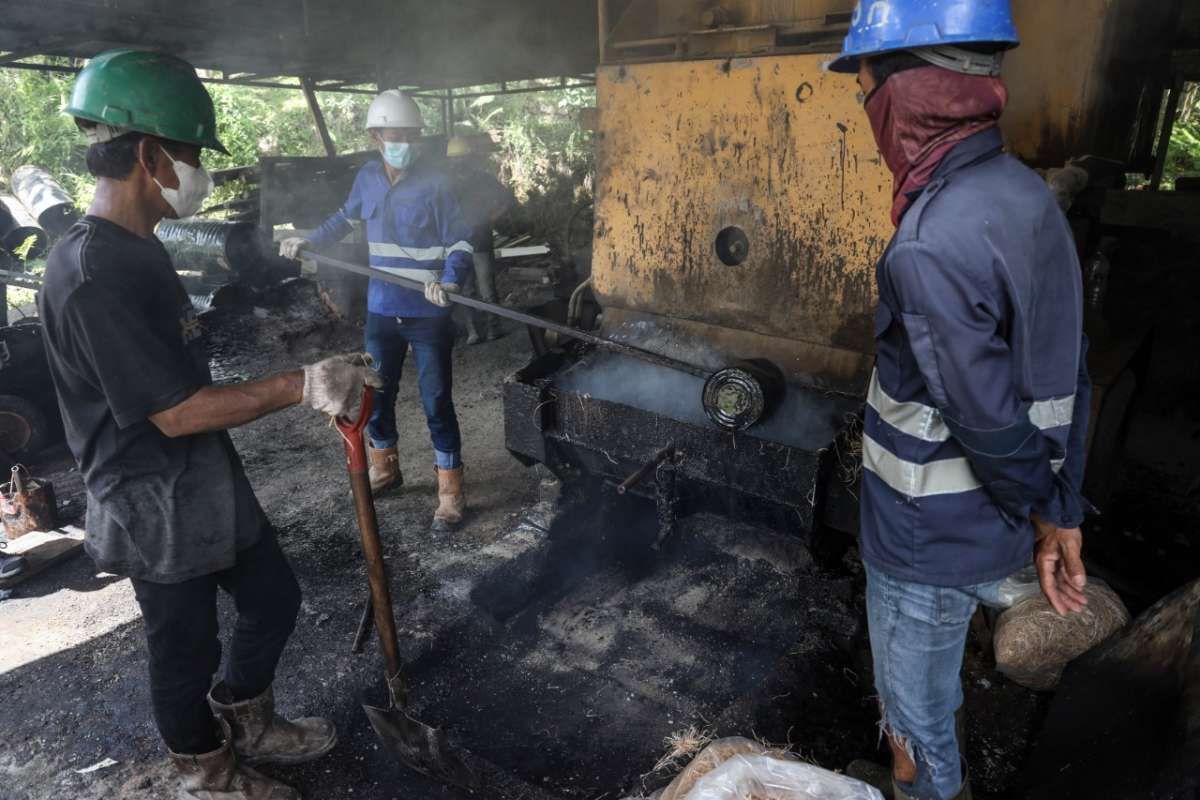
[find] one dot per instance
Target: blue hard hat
(885, 26)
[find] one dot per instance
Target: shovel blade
(420, 746)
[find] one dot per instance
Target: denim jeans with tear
(432, 340)
(918, 633)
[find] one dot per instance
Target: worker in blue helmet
(976, 417)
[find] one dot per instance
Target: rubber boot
(219, 776)
(384, 470)
(963, 794)
(491, 327)
(473, 336)
(452, 499)
(260, 736)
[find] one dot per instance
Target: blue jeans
(432, 340)
(918, 633)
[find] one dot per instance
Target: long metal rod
(515, 316)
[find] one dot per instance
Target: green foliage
(538, 134)
(543, 154)
(1184, 156)
(33, 131)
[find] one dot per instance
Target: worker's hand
(1059, 561)
(438, 293)
(335, 386)
(291, 247)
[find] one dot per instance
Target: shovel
(418, 745)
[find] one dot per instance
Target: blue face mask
(398, 155)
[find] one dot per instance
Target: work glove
(335, 386)
(438, 293)
(291, 247)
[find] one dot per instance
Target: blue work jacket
(978, 407)
(415, 229)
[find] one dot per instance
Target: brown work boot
(384, 470)
(452, 499)
(219, 776)
(260, 736)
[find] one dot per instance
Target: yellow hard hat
(458, 147)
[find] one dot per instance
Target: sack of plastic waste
(1034, 644)
(741, 769)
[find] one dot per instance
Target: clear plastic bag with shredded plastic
(735, 768)
(764, 777)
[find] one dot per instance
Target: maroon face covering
(918, 115)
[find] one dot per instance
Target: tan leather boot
(260, 736)
(452, 499)
(219, 776)
(384, 470)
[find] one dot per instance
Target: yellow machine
(741, 206)
(719, 121)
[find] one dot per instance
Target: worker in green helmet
(169, 504)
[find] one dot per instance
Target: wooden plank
(42, 550)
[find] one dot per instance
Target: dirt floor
(546, 637)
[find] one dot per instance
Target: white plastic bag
(1020, 586)
(764, 777)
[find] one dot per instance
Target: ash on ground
(547, 637)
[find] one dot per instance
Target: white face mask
(195, 184)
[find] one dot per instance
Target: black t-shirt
(124, 343)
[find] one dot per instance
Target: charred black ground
(548, 638)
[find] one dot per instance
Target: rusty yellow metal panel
(773, 147)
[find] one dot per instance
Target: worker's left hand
(335, 386)
(438, 293)
(1059, 561)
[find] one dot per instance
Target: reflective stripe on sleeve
(925, 422)
(464, 247)
(912, 419)
(948, 476)
(388, 250)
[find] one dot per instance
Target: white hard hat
(394, 109)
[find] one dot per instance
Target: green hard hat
(147, 92)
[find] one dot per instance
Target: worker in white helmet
(483, 199)
(415, 229)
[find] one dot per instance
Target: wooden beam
(314, 108)
(1168, 127)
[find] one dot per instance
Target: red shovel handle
(352, 433)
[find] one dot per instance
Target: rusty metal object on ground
(27, 504)
(418, 745)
